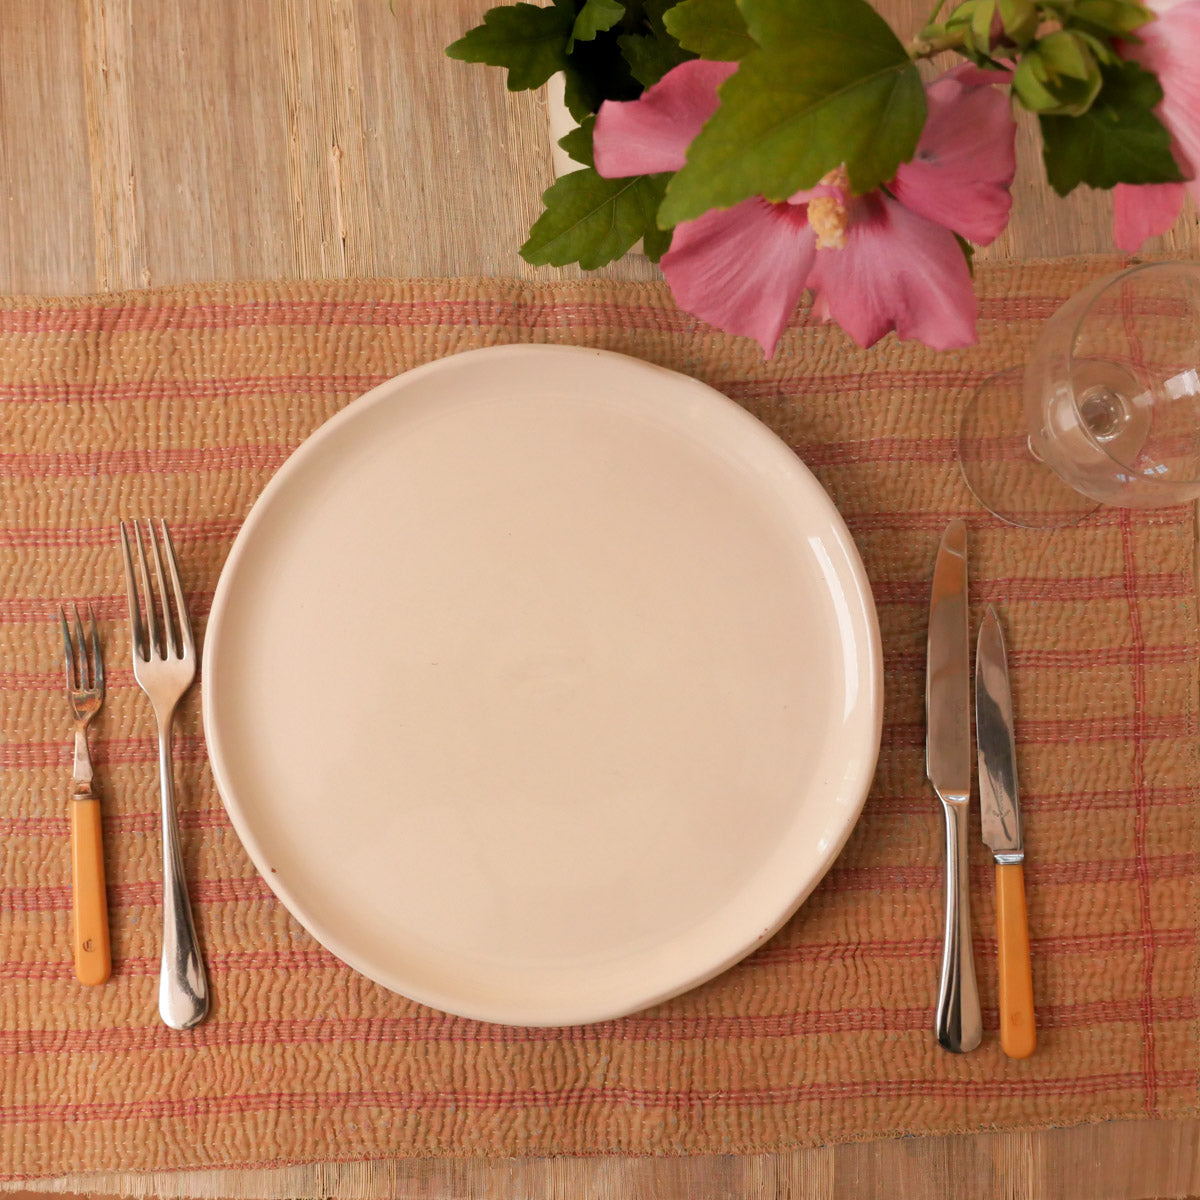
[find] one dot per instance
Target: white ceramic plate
(542, 684)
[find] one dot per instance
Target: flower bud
(1020, 20)
(1058, 75)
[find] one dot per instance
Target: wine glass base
(999, 466)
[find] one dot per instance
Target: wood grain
(153, 142)
(150, 142)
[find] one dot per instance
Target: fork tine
(170, 642)
(185, 621)
(85, 675)
(97, 657)
(68, 649)
(153, 643)
(137, 630)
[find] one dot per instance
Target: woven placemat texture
(184, 402)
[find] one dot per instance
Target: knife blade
(958, 1024)
(1001, 819)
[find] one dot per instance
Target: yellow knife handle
(1018, 1035)
(93, 962)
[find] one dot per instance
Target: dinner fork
(164, 665)
(85, 695)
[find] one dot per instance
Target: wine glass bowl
(1106, 411)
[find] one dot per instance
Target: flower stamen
(827, 213)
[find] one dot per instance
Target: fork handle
(93, 961)
(182, 982)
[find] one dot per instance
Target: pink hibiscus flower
(1170, 47)
(884, 260)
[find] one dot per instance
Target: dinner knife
(957, 1022)
(1001, 814)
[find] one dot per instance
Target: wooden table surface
(149, 142)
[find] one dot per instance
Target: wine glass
(1106, 411)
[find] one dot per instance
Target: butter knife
(958, 1024)
(1001, 814)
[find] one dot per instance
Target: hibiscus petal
(744, 268)
(1169, 46)
(964, 163)
(1144, 212)
(652, 133)
(897, 271)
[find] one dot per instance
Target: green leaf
(650, 49)
(597, 71)
(595, 17)
(579, 94)
(656, 242)
(714, 29)
(1118, 140)
(578, 143)
(530, 41)
(650, 56)
(592, 220)
(827, 82)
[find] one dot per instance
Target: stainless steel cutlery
(958, 1023)
(164, 665)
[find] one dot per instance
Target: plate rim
(312, 445)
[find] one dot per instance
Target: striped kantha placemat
(184, 402)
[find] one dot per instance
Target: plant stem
(937, 8)
(921, 47)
